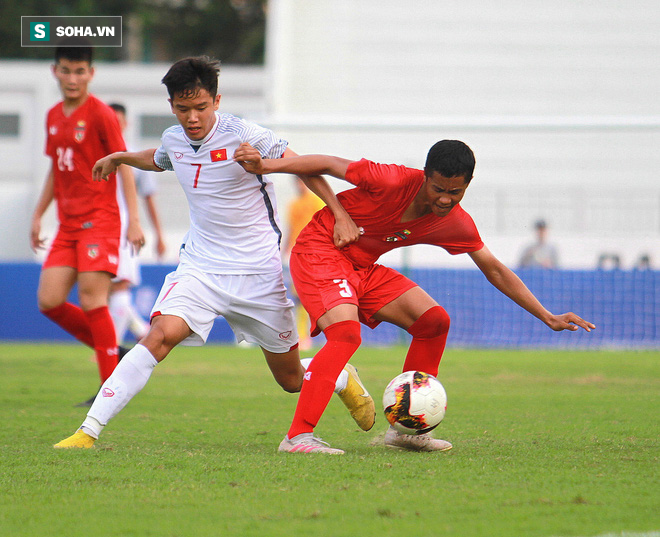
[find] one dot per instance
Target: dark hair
(118, 108)
(79, 53)
(186, 77)
(450, 158)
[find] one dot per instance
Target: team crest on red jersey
(218, 154)
(398, 236)
(79, 131)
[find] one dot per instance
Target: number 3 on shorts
(344, 289)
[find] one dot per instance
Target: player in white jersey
(230, 262)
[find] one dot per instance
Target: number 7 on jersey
(199, 169)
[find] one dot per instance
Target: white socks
(342, 379)
(128, 378)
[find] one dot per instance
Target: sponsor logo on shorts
(285, 335)
(107, 392)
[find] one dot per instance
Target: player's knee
(347, 332)
(45, 305)
(433, 323)
(48, 300)
(291, 383)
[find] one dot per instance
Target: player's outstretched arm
(309, 168)
(303, 165)
(505, 280)
(143, 160)
(345, 231)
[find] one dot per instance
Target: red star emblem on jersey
(218, 154)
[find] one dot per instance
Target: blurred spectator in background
(644, 262)
(300, 212)
(609, 261)
(541, 253)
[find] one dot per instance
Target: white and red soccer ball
(414, 402)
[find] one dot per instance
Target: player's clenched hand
(103, 168)
(569, 321)
(346, 232)
(248, 157)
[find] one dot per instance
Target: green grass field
(545, 444)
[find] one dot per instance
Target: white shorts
(129, 265)
(255, 306)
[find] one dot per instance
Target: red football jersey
(75, 143)
(383, 192)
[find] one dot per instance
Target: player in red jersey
(80, 130)
(394, 206)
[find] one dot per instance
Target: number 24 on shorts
(344, 289)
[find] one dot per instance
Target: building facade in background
(558, 102)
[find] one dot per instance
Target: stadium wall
(624, 305)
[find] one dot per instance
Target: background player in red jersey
(80, 130)
(394, 206)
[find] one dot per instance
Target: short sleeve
(162, 159)
(375, 177)
(462, 237)
(261, 138)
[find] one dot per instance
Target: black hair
(118, 108)
(450, 158)
(186, 77)
(75, 50)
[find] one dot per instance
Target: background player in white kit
(121, 305)
(230, 262)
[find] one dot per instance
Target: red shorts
(84, 251)
(326, 280)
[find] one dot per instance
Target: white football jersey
(234, 227)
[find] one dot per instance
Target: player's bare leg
(55, 284)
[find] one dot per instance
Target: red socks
(429, 334)
(321, 376)
(105, 340)
(73, 320)
(94, 328)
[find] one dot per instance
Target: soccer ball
(414, 402)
